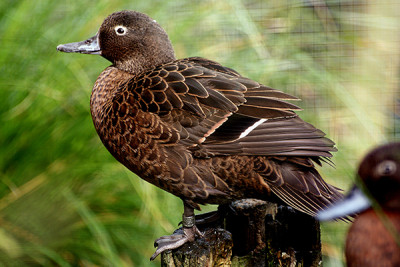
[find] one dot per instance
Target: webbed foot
(176, 240)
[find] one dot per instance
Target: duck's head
(132, 41)
(379, 172)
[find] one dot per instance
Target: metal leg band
(188, 221)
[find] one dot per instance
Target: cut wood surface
(252, 233)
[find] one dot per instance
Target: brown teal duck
(197, 129)
(374, 237)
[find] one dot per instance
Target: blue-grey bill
(353, 203)
(89, 46)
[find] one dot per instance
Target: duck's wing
(197, 96)
(289, 136)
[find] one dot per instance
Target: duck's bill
(353, 203)
(89, 46)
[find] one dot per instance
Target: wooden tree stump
(214, 249)
(253, 233)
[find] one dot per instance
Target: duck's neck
(146, 60)
(140, 65)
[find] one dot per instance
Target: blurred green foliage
(64, 201)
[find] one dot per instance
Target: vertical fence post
(253, 233)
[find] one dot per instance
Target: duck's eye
(387, 168)
(120, 30)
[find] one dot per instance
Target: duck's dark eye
(386, 168)
(120, 30)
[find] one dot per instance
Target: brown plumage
(374, 237)
(197, 129)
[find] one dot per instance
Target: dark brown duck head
(132, 41)
(374, 237)
(379, 172)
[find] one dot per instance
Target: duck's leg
(176, 240)
(214, 218)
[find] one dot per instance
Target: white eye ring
(386, 168)
(120, 30)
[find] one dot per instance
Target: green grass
(64, 201)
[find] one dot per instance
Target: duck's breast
(369, 243)
(129, 133)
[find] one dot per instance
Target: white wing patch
(251, 128)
